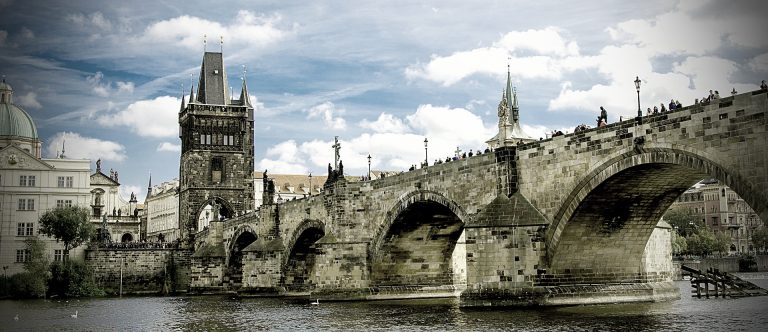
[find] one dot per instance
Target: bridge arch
(299, 264)
(607, 219)
(415, 243)
(225, 209)
(243, 236)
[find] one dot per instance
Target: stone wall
(145, 271)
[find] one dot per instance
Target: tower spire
(62, 149)
(245, 100)
(182, 98)
(149, 187)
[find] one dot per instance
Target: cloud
(148, 118)
(29, 100)
(759, 63)
(248, 28)
(386, 123)
(326, 111)
(394, 144)
(26, 33)
(80, 147)
(3, 37)
(104, 88)
(167, 146)
(541, 53)
(95, 21)
(126, 190)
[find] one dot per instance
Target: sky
(106, 77)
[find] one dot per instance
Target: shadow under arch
(415, 242)
(298, 266)
(242, 238)
(610, 215)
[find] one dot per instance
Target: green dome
(14, 121)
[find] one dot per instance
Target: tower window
(217, 169)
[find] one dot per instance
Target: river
(225, 313)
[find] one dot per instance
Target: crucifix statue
(336, 148)
(458, 151)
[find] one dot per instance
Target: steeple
(212, 86)
(245, 100)
(191, 93)
(149, 188)
(511, 96)
(510, 133)
(182, 99)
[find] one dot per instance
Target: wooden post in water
(122, 262)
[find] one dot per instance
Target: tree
(685, 222)
(679, 244)
(69, 225)
(36, 267)
(760, 239)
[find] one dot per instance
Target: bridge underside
(418, 248)
(605, 239)
(301, 263)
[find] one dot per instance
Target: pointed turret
(510, 132)
(245, 99)
(183, 106)
(149, 188)
(191, 93)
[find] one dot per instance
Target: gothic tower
(216, 163)
(510, 132)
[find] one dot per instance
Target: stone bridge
(567, 220)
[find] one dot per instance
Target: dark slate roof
(212, 87)
(263, 245)
(512, 211)
(210, 250)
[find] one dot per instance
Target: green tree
(67, 224)
(721, 243)
(685, 222)
(760, 239)
(679, 244)
(36, 267)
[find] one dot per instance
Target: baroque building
(32, 185)
(216, 161)
(162, 206)
(111, 214)
(722, 210)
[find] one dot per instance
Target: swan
(317, 302)
(75, 315)
(16, 317)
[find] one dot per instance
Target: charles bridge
(567, 220)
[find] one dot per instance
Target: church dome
(14, 121)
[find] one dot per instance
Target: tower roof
(14, 121)
(212, 87)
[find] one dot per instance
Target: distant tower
(216, 148)
(510, 133)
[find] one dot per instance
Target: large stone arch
(403, 203)
(241, 239)
(601, 192)
(226, 208)
(298, 262)
(445, 236)
(245, 228)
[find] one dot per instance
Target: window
(58, 255)
(61, 203)
(205, 139)
(23, 180)
(20, 229)
(26, 204)
(30, 229)
(217, 169)
(25, 229)
(65, 181)
(22, 255)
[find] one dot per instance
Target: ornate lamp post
(369, 167)
(637, 87)
(426, 155)
(310, 184)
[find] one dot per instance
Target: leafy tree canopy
(67, 224)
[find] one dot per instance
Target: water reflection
(225, 313)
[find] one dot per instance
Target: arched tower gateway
(216, 163)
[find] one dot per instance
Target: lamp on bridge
(310, 183)
(369, 167)
(426, 156)
(637, 87)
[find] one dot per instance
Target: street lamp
(310, 184)
(426, 156)
(369, 167)
(637, 87)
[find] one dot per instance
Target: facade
(32, 185)
(722, 210)
(216, 162)
(510, 133)
(111, 211)
(162, 206)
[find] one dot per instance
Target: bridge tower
(216, 163)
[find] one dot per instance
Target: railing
(135, 245)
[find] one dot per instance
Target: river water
(225, 313)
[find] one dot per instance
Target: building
(32, 185)
(216, 160)
(111, 211)
(162, 206)
(287, 186)
(720, 208)
(510, 133)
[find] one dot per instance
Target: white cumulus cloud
(29, 100)
(386, 123)
(328, 112)
(170, 147)
(149, 118)
(81, 147)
